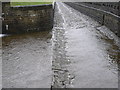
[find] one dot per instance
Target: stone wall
(112, 7)
(23, 19)
(0, 17)
(111, 20)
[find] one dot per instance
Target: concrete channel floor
(78, 53)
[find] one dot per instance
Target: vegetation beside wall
(28, 3)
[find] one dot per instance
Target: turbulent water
(84, 57)
(78, 53)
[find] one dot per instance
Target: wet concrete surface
(78, 53)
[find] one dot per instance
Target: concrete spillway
(78, 53)
(82, 53)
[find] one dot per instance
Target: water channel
(77, 53)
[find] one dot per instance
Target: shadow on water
(36, 35)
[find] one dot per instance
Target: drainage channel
(80, 52)
(61, 75)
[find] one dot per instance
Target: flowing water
(77, 53)
(26, 60)
(84, 55)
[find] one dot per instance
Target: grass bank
(28, 3)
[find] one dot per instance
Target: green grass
(28, 3)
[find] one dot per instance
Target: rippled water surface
(27, 60)
(77, 53)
